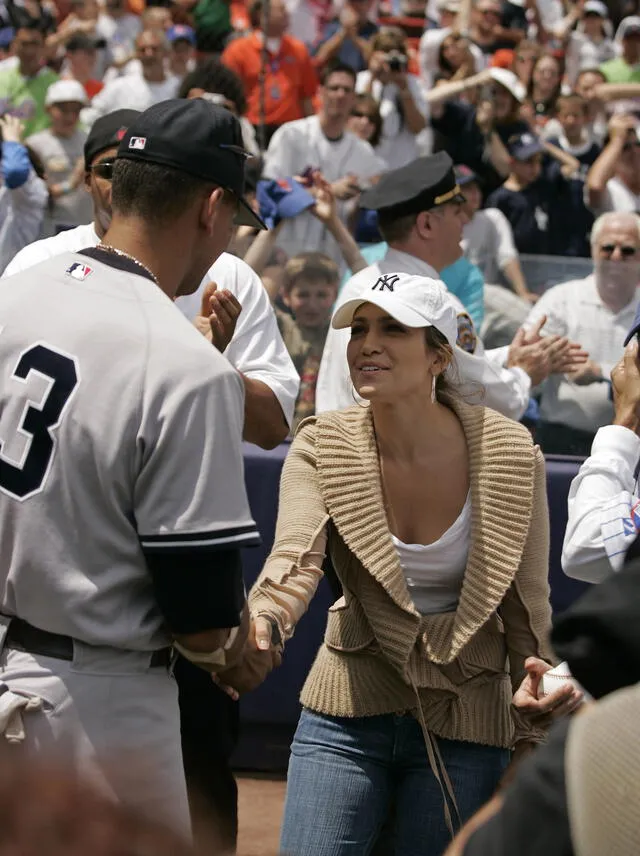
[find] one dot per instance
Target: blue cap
(635, 327)
(181, 31)
(524, 146)
(6, 36)
(281, 200)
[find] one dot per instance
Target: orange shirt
(290, 77)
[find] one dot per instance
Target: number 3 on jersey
(39, 419)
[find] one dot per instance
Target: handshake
(260, 653)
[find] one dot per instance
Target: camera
(397, 61)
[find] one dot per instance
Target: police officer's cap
(425, 183)
(196, 137)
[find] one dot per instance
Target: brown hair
(437, 342)
(571, 100)
(367, 104)
(389, 39)
(393, 228)
(313, 266)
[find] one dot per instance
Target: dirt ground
(260, 804)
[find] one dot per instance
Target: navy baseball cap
(7, 35)
(281, 200)
(464, 175)
(107, 132)
(196, 137)
(635, 327)
(524, 146)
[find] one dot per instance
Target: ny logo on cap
(387, 281)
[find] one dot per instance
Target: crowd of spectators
(537, 102)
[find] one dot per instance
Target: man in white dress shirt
(321, 142)
(597, 312)
(421, 215)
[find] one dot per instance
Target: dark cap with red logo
(107, 133)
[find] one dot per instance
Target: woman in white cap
(434, 515)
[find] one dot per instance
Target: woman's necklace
(110, 249)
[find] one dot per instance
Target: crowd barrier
(269, 714)
(543, 272)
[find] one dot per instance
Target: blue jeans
(344, 775)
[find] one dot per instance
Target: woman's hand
(541, 711)
(260, 656)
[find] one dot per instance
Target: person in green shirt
(625, 68)
(23, 87)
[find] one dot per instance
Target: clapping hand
(625, 381)
(325, 208)
(218, 316)
(539, 356)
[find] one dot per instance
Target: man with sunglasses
(597, 312)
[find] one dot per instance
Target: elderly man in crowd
(597, 312)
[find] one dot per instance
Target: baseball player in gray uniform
(123, 503)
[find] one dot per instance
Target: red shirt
(290, 77)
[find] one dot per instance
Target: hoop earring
(353, 395)
(433, 389)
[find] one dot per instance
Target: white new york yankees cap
(415, 301)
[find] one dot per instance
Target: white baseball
(556, 678)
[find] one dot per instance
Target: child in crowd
(61, 149)
(576, 139)
(310, 289)
(535, 199)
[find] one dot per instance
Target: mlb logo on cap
(79, 271)
(137, 143)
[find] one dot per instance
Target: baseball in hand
(556, 678)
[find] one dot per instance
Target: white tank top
(434, 572)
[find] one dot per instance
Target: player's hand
(12, 128)
(218, 316)
(541, 711)
(625, 380)
(259, 658)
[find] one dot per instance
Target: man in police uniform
(420, 215)
(121, 472)
(250, 340)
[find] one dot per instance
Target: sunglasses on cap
(104, 169)
(625, 252)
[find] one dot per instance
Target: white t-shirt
(301, 144)
(398, 146)
(618, 197)
(120, 34)
(488, 243)
(131, 92)
(575, 309)
(256, 350)
(434, 572)
(582, 53)
(60, 156)
(21, 213)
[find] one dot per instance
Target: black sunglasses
(626, 252)
(104, 169)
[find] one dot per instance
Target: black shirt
(534, 818)
(465, 143)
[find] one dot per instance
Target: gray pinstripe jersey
(120, 437)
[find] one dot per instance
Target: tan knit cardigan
(379, 654)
